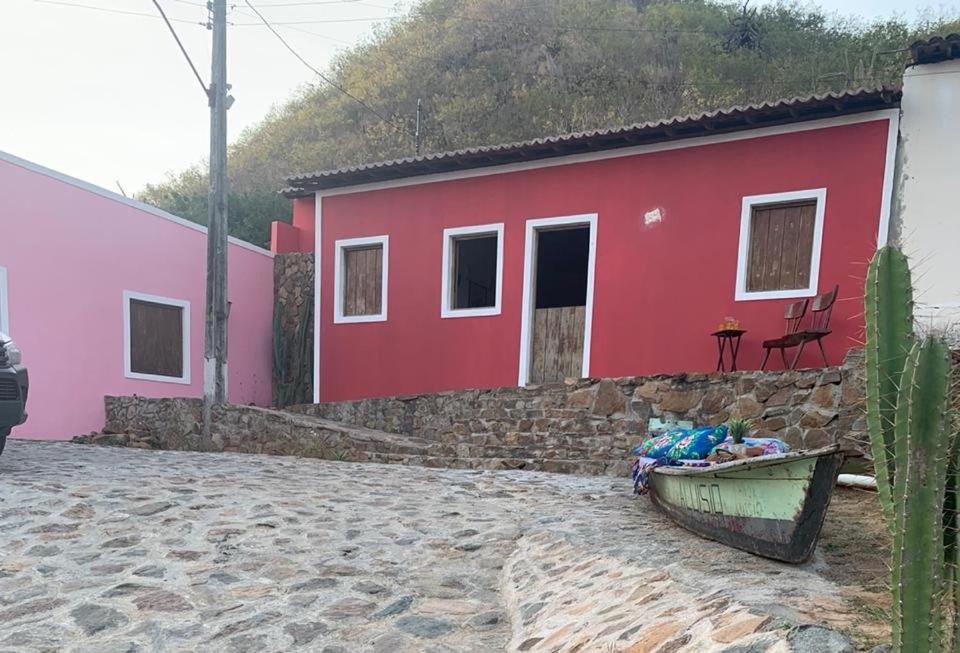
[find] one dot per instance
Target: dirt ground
(855, 551)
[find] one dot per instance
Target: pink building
(105, 295)
(605, 254)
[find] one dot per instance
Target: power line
(317, 72)
(318, 21)
(454, 16)
(310, 2)
(113, 11)
(567, 76)
(176, 38)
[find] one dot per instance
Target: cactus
(292, 375)
(915, 448)
(922, 445)
(889, 320)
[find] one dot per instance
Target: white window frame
(4, 303)
(184, 305)
(743, 257)
(529, 290)
(339, 278)
(446, 285)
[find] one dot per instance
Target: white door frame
(529, 272)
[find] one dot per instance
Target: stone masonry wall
(585, 418)
(177, 424)
(293, 328)
(584, 426)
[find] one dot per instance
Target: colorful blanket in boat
(683, 444)
(769, 445)
(689, 447)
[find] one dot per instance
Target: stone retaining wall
(584, 426)
(807, 408)
(177, 424)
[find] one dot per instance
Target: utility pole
(215, 331)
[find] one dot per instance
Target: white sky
(108, 97)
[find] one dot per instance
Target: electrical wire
(176, 38)
(113, 11)
(320, 74)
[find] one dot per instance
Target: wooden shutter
(156, 338)
(363, 280)
(557, 346)
(781, 246)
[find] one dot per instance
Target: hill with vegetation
(493, 71)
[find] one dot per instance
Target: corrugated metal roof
(935, 49)
(737, 118)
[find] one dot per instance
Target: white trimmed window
(780, 239)
(472, 271)
(4, 303)
(360, 280)
(156, 338)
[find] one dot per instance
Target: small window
(780, 239)
(472, 271)
(361, 283)
(156, 338)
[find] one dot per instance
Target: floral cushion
(679, 444)
(659, 445)
(697, 444)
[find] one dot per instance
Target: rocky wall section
(582, 427)
(293, 281)
(177, 424)
(600, 419)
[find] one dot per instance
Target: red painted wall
(284, 238)
(304, 220)
(660, 289)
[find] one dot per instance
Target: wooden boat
(772, 506)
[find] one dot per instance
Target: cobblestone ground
(107, 549)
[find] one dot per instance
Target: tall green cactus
(922, 447)
(915, 457)
(889, 319)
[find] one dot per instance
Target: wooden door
(557, 344)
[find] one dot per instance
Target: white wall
(927, 196)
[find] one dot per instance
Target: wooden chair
(793, 314)
(819, 329)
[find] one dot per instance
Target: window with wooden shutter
(361, 277)
(363, 269)
(780, 245)
(156, 338)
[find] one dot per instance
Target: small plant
(739, 429)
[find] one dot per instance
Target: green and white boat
(772, 506)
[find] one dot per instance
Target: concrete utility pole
(215, 333)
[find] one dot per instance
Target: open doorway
(558, 297)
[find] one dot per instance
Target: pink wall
(69, 254)
(659, 290)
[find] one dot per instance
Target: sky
(106, 96)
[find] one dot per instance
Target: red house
(606, 253)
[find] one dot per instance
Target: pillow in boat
(683, 444)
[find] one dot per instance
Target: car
(13, 388)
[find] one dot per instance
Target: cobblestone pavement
(108, 549)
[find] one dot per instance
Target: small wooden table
(731, 336)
